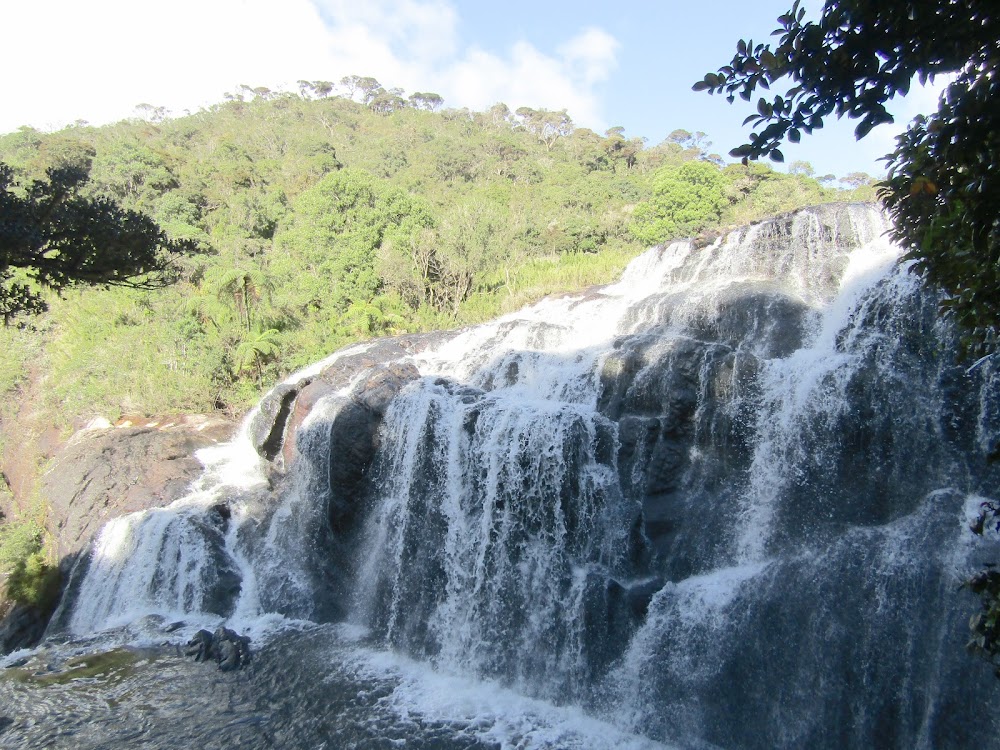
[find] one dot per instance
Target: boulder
(282, 411)
(200, 646)
(267, 427)
(227, 648)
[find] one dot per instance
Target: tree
(335, 233)
(500, 115)
(385, 102)
(855, 180)
(52, 236)
(318, 89)
(246, 289)
(943, 183)
(255, 350)
(369, 88)
(151, 112)
(426, 100)
(685, 199)
(352, 84)
(132, 173)
(803, 168)
(438, 266)
(688, 140)
(619, 149)
(546, 125)
(322, 89)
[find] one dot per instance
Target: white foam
(810, 383)
(489, 711)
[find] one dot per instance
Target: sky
(629, 63)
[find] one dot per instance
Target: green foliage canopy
(30, 578)
(333, 220)
(337, 229)
(685, 200)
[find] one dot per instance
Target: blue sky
(626, 63)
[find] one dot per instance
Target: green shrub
(31, 579)
(18, 541)
(34, 581)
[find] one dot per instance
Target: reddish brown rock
(107, 472)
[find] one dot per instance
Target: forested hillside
(325, 218)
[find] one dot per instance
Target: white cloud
(96, 60)
(529, 77)
(420, 30)
(591, 55)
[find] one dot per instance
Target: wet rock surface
(107, 471)
(21, 626)
(227, 648)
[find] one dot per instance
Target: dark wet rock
(232, 650)
(683, 408)
(353, 436)
(353, 422)
(200, 646)
(282, 411)
(640, 593)
(267, 428)
(227, 648)
(22, 626)
(758, 317)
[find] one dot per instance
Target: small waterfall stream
(721, 503)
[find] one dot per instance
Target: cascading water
(723, 502)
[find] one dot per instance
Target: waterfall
(722, 502)
(494, 526)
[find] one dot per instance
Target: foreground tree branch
(53, 237)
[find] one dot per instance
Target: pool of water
(307, 687)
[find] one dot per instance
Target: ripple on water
(308, 688)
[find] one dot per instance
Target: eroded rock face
(320, 435)
(105, 473)
(340, 445)
(684, 408)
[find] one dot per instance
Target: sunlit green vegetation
(28, 576)
(324, 219)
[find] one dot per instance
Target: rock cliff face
(274, 427)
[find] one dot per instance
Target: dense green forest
(322, 219)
